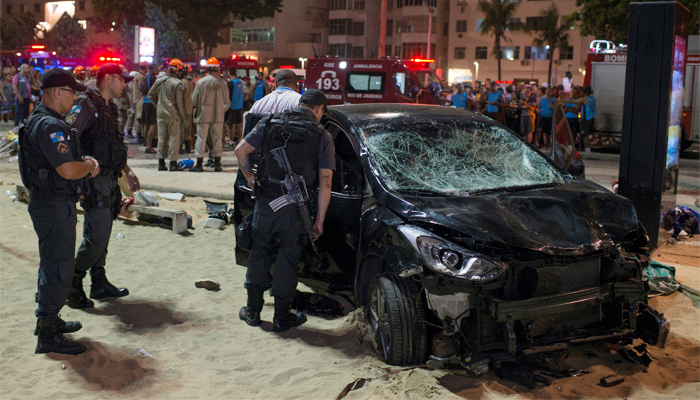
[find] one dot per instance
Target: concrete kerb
(188, 192)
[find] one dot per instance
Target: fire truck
(605, 72)
(245, 66)
(384, 80)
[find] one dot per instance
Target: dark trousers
(54, 222)
(97, 228)
(21, 110)
(269, 227)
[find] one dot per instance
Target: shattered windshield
(453, 157)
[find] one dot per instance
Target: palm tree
(552, 33)
(497, 21)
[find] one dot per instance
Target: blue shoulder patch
(57, 137)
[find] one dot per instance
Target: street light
(476, 78)
(303, 60)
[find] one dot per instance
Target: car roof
(369, 114)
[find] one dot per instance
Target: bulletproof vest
(37, 174)
(106, 142)
(300, 135)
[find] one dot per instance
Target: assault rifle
(294, 192)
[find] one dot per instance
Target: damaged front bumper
(496, 330)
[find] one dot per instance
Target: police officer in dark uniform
(56, 174)
(96, 117)
(311, 154)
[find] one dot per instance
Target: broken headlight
(447, 258)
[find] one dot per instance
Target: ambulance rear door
(366, 81)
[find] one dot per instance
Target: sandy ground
(200, 349)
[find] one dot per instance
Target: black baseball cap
(314, 97)
(113, 69)
(587, 89)
(58, 77)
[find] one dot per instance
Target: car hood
(572, 219)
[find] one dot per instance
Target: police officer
(211, 100)
(56, 175)
(95, 116)
(168, 96)
(311, 153)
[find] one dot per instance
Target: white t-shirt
(282, 99)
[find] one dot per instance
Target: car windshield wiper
(418, 192)
(515, 188)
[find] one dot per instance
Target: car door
(341, 229)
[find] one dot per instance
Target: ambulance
(384, 80)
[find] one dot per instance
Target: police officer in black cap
(96, 117)
(55, 171)
(311, 154)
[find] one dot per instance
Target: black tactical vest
(106, 138)
(42, 180)
(301, 139)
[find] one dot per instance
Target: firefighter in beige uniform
(137, 98)
(211, 100)
(168, 96)
(187, 135)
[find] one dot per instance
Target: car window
(453, 157)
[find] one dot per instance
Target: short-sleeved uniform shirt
(459, 100)
(51, 138)
(326, 148)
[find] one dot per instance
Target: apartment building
(470, 55)
(354, 27)
(300, 30)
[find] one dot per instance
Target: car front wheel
(396, 315)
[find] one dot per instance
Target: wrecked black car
(446, 226)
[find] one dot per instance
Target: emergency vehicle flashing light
(287, 66)
(422, 60)
(38, 46)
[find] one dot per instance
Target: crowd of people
(528, 108)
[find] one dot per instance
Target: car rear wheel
(396, 315)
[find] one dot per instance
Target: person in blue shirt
(234, 116)
(261, 88)
(571, 110)
(495, 103)
(588, 110)
(459, 99)
(546, 109)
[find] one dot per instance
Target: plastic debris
(172, 196)
(145, 198)
(144, 353)
(10, 192)
(13, 197)
(63, 366)
(611, 380)
(120, 236)
(214, 223)
(209, 284)
(13, 159)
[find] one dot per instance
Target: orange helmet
(212, 62)
(79, 70)
(175, 64)
(189, 69)
(94, 68)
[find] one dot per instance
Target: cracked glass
(454, 157)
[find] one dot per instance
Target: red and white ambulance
(384, 80)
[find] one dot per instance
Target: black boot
(161, 165)
(188, 146)
(198, 167)
(51, 340)
(174, 166)
(63, 326)
(217, 164)
(251, 313)
(76, 297)
(101, 287)
(284, 319)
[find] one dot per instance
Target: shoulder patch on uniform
(75, 110)
(57, 137)
(71, 118)
(62, 148)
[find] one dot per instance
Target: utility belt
(42, 196)
(113, 172)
